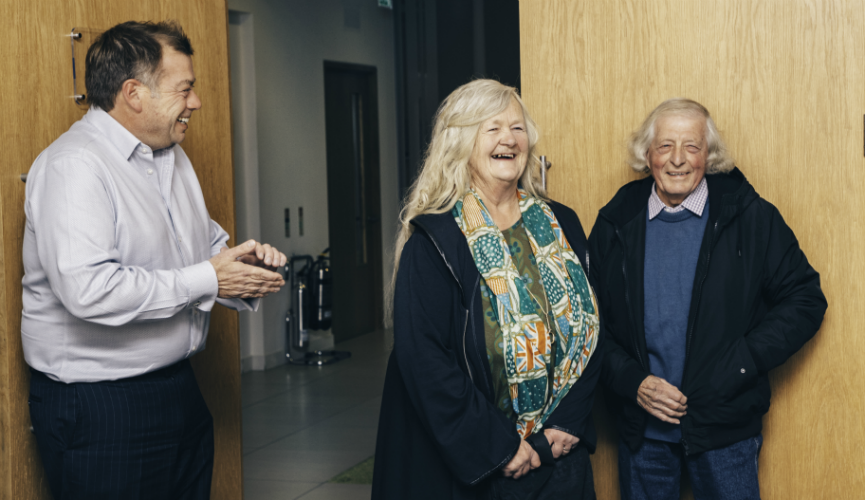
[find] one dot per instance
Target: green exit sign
(388, 4)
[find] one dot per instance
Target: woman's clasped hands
(527, 458)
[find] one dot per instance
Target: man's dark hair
(129, 50)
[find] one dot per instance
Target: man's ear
(132, 92)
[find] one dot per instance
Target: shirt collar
(117, 134)
(695, 202)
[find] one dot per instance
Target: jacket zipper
(465, 335)
(462, 292)
(694, 323)
(587, 265)
(465, 351)
(628, 299)
(700, 292)
(448, 264)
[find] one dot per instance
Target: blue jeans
(653, 472)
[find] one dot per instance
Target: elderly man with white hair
(703, 290)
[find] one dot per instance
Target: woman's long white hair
(446, 176)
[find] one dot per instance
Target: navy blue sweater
(672, 247)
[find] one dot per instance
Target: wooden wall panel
(35, 85)
(785, 82)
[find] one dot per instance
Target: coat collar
(729, 194)
(445, 234)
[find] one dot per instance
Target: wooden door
(785, 82)
(353, 204)
(36, 85)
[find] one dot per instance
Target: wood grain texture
(5, 400)
(785, 82)
(36, 84)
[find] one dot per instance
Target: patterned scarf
(527, 341)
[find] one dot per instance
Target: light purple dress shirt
(117, 281)
(695, 202)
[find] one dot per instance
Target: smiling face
(501, 150)
(166, 113)
(677, 156)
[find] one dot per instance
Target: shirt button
(742, 370)
(180, 239)
(149, 171)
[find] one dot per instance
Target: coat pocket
(735, 371)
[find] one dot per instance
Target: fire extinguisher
(298, 315)
(322, 292)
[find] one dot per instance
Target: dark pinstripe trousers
(141, 438)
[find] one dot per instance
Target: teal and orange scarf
(527, 339)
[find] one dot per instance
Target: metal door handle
(545, 165)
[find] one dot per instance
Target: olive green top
(524, 260)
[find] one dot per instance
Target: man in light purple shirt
(122, 267)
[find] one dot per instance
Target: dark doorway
(440, 45)
(351, 122)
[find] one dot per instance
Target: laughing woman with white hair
(489, 387)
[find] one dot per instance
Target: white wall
(292, 39)
(246, 183)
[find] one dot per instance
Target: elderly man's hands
(243, 272)
(560, 442)
(525, 460)
(662, 400)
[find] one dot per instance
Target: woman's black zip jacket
(440, 432)
(755, 302)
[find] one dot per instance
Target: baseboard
(318, 341)
(260, 363)
(274, 359)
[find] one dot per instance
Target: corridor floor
(304, 425)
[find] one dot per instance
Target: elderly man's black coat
(755, 302)
(440, 434)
